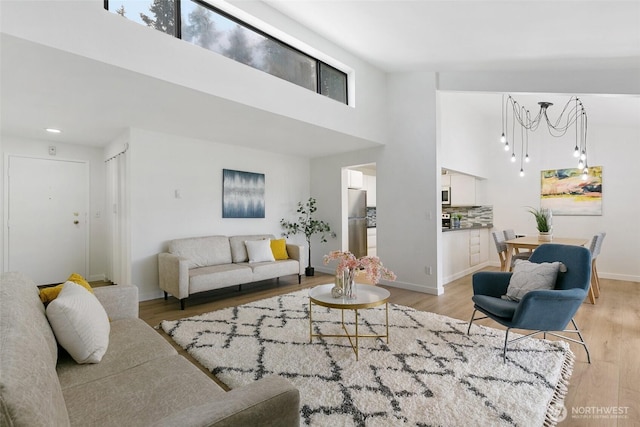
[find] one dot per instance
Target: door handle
(76, 222)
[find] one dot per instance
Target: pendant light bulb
(583, 155)
(503, 138)
(580, 164)
(585, 174)
(576, 152)
(506, 146)
(526, 158)
(513, 158)
(521, 172)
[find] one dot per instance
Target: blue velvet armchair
(541, 311)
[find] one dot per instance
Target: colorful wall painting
(567, 192)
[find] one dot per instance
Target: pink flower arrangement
(372, 266)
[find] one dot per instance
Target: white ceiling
(94, 102)
(400, 35)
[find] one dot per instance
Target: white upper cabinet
(463, 190)
(355, 179)
(370, 186)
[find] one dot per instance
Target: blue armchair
(545, 311)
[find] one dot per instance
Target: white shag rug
(430, 374)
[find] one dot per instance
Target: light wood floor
(611, 329)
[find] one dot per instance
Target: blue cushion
(496, 306)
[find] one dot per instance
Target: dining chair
(595, 247)
(546, 311)
(509, 234)
(501, 247)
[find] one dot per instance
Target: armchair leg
(165, 295)
(471, 321)
(182, 302)
(504, 350)
(299, 279)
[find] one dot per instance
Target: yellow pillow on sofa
(49, 294)
(279, 249)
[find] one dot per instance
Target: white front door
(47, 221)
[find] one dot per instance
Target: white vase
(545, 236)
(338, 290)
(350, 284)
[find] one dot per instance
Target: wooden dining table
(532, 242)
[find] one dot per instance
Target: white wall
(84, 28)
(464, 135)
(94, 156)
(613, 148)
(161, 164)
(406, 183)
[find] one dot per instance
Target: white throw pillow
(528, 276)
(259, 250)
(80, 324)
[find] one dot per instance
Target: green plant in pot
(456, 219)
(307, 225)
(543, 223)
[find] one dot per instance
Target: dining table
(532, 242)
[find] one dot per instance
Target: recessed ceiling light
(52, 130)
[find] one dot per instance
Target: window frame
(238, 21)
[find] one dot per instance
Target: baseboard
(425, 289)
(149, 295)
(465, 272)
(395, 284)
(624, 277)
(97, 278)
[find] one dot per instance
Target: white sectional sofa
(199, 264)
(140, 381)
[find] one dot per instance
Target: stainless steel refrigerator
(357, 203)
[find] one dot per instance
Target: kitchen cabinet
(372, 242)
(355, 179)
(463, 190)
(464, 251)
(370, 187)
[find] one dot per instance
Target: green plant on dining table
(543, 219)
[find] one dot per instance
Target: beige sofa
(199, 264)
(141, 380)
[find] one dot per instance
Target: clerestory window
(201, 24)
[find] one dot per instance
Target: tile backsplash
(371, 216)
(476, 215)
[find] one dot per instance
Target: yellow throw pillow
(279, 249)
(49, 294)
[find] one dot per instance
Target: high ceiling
(94, 102)
(437, 35)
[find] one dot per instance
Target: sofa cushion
(30, 393)
(218, 276)
(238, 246)
(80, 324)
(131, 343)
(529, 276)
(259, 251)
(279, 249)
(202, 251)
(142, 395)
(49, 294)
(269, 270)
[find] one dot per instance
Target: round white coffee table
(367, 296)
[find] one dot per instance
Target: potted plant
(456, 217)
(307, 225)
(543, 223)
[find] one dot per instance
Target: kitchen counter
(468, 227)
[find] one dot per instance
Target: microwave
(446, 195)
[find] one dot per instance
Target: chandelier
(573, 115)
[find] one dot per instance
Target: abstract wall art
(568, 192)
(242, 194)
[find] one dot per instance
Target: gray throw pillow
(528, 276)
